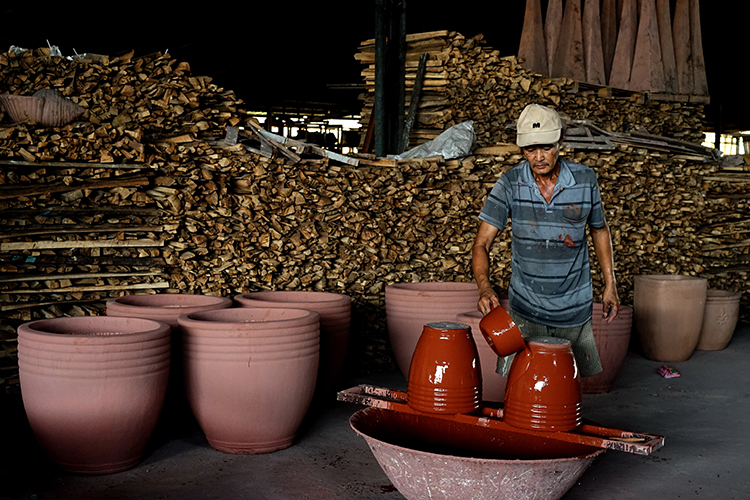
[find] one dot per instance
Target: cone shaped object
(592, 43)
(664, 19)
(569, 55)
(682, 47)
(532, 49)
(552, 27)
(647, 73)
(622, 62)
(609, 33)
(700, 85)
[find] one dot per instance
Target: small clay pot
(612, 341)
(445, 375)
(410, 306)
(719, 319)
(668, 314)
(93, 388)
(501, 332)
(544, 391)
(493, 384)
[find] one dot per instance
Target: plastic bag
(456, 142)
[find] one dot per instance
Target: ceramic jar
(410, 306)
(335, 319)
(612, 341)
(493, 384)
(93, 388)
(250, 374)
(543, 390)
(445, 376)
(719, 319)
(668, 314)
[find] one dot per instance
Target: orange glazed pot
(445, 376)
(544, 391)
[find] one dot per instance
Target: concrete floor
(703, 414)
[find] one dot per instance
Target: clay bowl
(426, 457)
(501, 332)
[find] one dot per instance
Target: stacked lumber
(467, 80)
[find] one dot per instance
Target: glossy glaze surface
(501, 332)
(543, 390)
(445, 374)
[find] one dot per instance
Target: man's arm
(602, 240)
(480, 266)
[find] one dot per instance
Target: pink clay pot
(335, 320)
(612, 341)
(166, 307)
(719, 319)
(410, 306)
(493, 384)
(248, 385)
(93, 388)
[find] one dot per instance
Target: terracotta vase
(668, 315)
(167, 307)
(335, 319)
(612, 341)
(445, 376)
(410, 306)
(719, 319)
(501, 332)
(93, 388)
(493, 384)
(250, 374)
(544, 391)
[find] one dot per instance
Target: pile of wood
(467, 80)
(205, 202)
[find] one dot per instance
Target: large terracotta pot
(93, 388)
(612, 341)
(335, 311)
(250, 374)
(544, 391)
(445, 375)
(410, 306)
(719, 319)
(493, 384)
(668, 314)
(167, 307)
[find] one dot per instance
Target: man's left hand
(610, 304)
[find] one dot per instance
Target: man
(550, 201)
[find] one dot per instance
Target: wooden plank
(103, 288)
(76, 164)
(10, 192)
(74, 276)
(37, 230)
(51, 245)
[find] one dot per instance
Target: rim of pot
(170, 301)
(295, 296)
(85, 330)
(249, 318)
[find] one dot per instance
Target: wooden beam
(50, 245)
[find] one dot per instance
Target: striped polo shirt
(551, 279)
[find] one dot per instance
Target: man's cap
(538, 125)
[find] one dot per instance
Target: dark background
(275, 52)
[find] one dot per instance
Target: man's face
(542, 157)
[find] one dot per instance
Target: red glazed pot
(250, 374)
(544, 391)
(719, 319)
(668, 314)
(93, 388)
(612, 341)
(501, 332)
(410, 306)
(445, 376)
(335, 320)
(493, 384)
(430, 458)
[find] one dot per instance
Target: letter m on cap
(536, 125)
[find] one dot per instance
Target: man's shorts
(581, 338)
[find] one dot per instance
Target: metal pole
(378, 115)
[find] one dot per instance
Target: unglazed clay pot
(493, 384)
(93, 388)
(335, 319)
(250, 374)
(668, 314)
(719, 319)
(445, 376)
(544, 391)
(167, 307)
(612, 341)
(431, 458)
(410, 306)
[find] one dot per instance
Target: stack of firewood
(467, 80)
